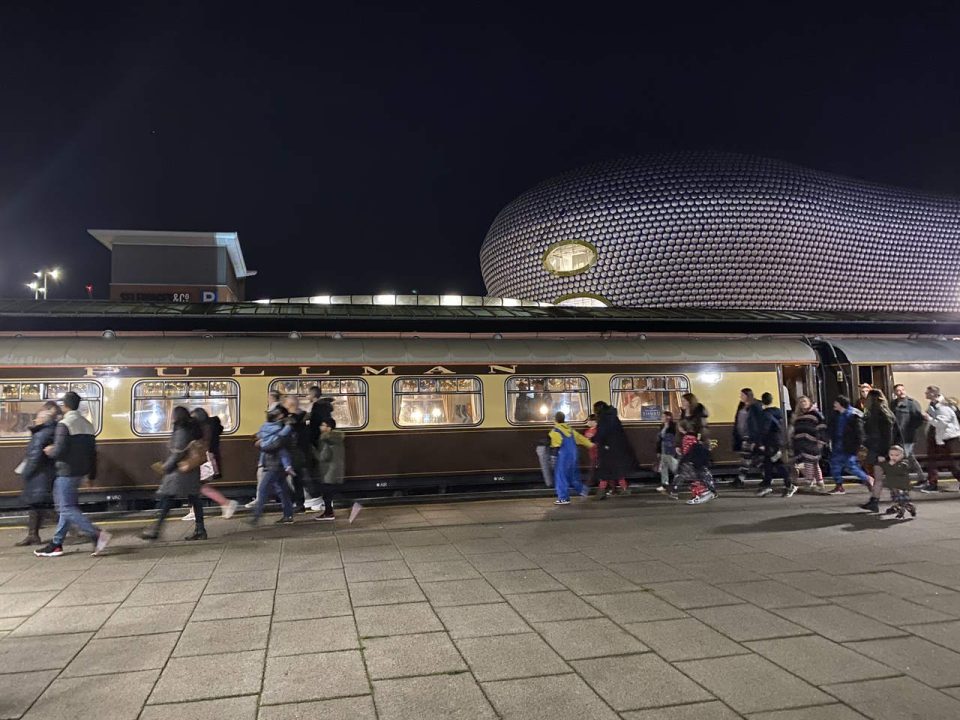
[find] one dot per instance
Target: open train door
(834, 373)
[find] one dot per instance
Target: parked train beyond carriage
(424, 413)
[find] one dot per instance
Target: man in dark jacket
(301, 449)
(748, 427)
(909, 417)
(846, 437)
(321, 410)
(773, 441)
(74, 450)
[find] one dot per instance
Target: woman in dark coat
(880, 428)
(210, 431)
(177, 481)
(808, 431)
(694, 414)
(38, 471)
(615, 454)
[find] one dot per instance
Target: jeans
(840, 461)
(567, 476)
(273, 482)
(770, 468)
(668, 467)
(939, 456)
(66, 499)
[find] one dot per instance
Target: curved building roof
(720, 230)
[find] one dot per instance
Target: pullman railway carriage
(437, 411)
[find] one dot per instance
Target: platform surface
(638, 608)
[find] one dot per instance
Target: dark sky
(361, 147)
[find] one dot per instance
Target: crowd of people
(300, 462)
(871, 439)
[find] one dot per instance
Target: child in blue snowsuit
(563, 444)
(271, 436)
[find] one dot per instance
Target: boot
(34, 520)
(198, 534)
(873, 505)
(602, 490)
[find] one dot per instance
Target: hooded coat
(615, 458)
(176, 482)
(809, 434)
(38, 470)
(331, 458)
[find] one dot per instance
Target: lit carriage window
(536, 399)
(569, 257)
(154, 401)
(437, 401)
(644, 398)
(349, 396)
(21, 401)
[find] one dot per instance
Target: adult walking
(773, 444)
(321, 410)
(38, 472)
(210, 430)
(186, 452)
(301, 449)
(943, 439)
(846, 437)
(748, 426)
(880, 429)
(909, 416)
(615, 458)
(74, 450)
(331, 467)
(275, 441)
(694, 413)
(808, 437)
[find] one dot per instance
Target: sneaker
(326, 516)
(740, 481)
(285, 521)
(790, 491)
(189, 516)
(230, 509)
(49, 550)
(661, 489)
(873, 505)
(929, 489)
(701, 499)
(585, 492)
(251, 505)
(558, 501)
(838, 490)
(764, 491)
(355, 510)
(673, 496)
(890, 510)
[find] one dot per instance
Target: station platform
(638, 608)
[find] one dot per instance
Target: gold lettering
(439, 370)
(306, 371)
(367, 370)
(89, 373)
(239, 372)
(508, 369)
(162, 372)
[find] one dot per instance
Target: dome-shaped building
(723, 230)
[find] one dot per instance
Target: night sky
(360, 147)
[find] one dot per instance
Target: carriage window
(537, 399)
(21, 401)
(644, 398)
(435, 401)
(154, 401)
(349, 395)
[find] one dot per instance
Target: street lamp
(40, 288)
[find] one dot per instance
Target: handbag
(194, 457)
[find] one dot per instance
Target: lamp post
(39, 286)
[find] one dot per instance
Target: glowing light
(320, 300)
(436, 412)
(417, 415)
(709, 378)
(262, 301)
(112, 382)
(544, 409)
(451, 299)
(55, 273)
(33, 286)
(38, 274)
(385, 299)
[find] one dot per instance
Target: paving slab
(839, 624)
(688, 594)
(351, 708)
(108, 591)
(212, 637)
(820, 661)
(629, 607)
(522, 581)
(750, 684)
(686, 639)
(648, 571)
(385, 592)
(382, 570)
(821, 712)
(696, 711)
(771, 594)
(914, 656)
(891, 610)
(46, 578)
(821, 584)
(117, 655)
(443, 570)
(234, 582)
(402, 619)
(303, 606)
(595, 582)
(296, 637)
(432, 697)
(146, 620)
(896, 699)
(58, 621)
(465, 621)
(19, 690)
(234, 605)
(235, 708)
(24, 604)
(163, 593)
(557, 697)
(209, 676)
(168, 572)
(370, 553)
(658, 683)
(546, 606)
(299, 678)
(50, 652)
(431, 553)
(408, 655)
(503, 657)
(460, 592)
(748, 622)
(597, 637)
(111, 697)
(311, 581)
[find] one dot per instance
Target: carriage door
(798, 380)
(877, 375)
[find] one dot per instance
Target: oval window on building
(569, 257)
(582, 300)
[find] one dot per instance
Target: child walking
(667, 451)
(563, 444)
(894, 473)
(693, 468)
